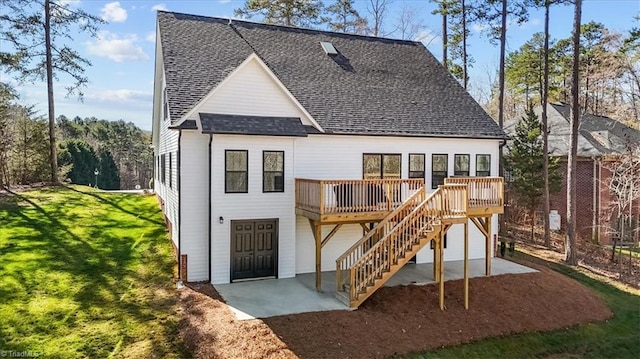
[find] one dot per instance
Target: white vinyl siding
(251, 91)
(255, 204)
(194, 167)
(168, 146)
(340, 157)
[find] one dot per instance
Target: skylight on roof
(328, 48)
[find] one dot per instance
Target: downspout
(179, 208)
(209, 242)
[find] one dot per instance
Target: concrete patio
(273, 297)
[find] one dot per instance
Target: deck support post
(441, 274)
(487, 247)
(317, 236)
(466, 265)
(484, 225)
(436, 259)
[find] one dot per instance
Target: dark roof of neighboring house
(373, 86)
(597, 135)
(605, 134)
(252, 125)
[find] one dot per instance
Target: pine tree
(525, 163)
(39, 33)
(109, 177)
(283, 12)
(345, 18)
(83, 160)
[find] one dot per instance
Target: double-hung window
(170, 169)
(461, 165)
(273, 171)
(483, 165)
(439, 168)
(163, 168)
(416, 165)
(236, 171)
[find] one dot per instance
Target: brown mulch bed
(396, 320)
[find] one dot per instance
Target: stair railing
(355, 252)
(384, 254)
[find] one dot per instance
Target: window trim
(433, 184)
(382, 163)
(424, 160)
(489, 171)
(468, 171)
(226, 189)
(264, 190)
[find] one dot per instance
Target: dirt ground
(591, 257)
(394, 321)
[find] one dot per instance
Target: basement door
(253, 249)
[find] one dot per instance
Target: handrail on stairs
(351, 255)
(396, 236)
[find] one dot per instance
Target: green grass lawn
(615, 338)
(86, 274)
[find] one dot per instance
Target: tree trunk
(503, 43)
(570, 248)
(444, 35)
(532, 213)
(545, 129)
(52, 118)
(464, 45)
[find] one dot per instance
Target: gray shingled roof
(374, 86)
(597, 135)
(252, 125)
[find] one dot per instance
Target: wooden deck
(406, 217)
(367, 201)
(352, 201)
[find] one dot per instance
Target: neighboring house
(268, 136)
(600, 140)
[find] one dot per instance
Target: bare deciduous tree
(624, 188)
(377, 10)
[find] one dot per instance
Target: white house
(243, 112)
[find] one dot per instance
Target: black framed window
(236, 168)
(439, 168)
(378, 166)
(483, 165)
(272, 171)
(461, 165)
(416, 165)
(163, 168)
(165, 105)
(170, 169)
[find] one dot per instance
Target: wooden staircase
(388, 246)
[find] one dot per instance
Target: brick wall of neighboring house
(584, 200)
(605, 222)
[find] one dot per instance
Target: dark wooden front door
(253, 248)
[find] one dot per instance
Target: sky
(122, 55)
